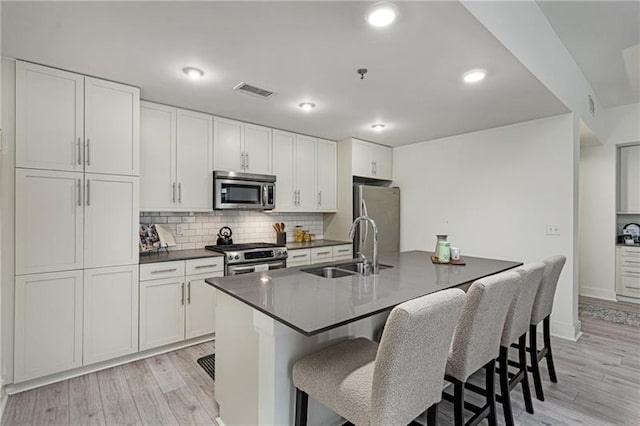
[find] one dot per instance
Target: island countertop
(311, 304)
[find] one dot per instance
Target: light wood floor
(599, 384)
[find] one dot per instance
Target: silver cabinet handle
(319, 198)
(205, 266)
(632, 272)
(79, 192)
(246, 157)
(160, 271)
(242, 160)
(87, 152)
(189, 292)
(182, 293)
(88, 188)
(631, 287)
(179, 192)
(297, 256)
(344, 250)
(174, 192)
(79, 151)
(323, 252)
(298, 197)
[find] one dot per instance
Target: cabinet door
(305, 176)
(112, 128)
(110, 313)
(326, 165)
(362, 160)
(111, 220)
(283, 162)
(158, 181)
(257, 149)
(48, 324)
(49, 118)
(49, 221)
(161, 312)
(228, 145)
(201, 305)
(299, 258)
(195, 168)
(630, 179)
(382, 162)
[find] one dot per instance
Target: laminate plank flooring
(598, 384)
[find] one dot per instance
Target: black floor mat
(208, 363)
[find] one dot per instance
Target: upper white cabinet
(241, 147)
(112, 133)
(283, 168)
(68, 122)
(305, 172)
(49, 221)
(326, 174)
(194, 165)
(176, 159)
(629, 179)
(371, 160)
(158, 156)
(49, 118)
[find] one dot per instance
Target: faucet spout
(352, 232)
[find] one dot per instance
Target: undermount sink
(328, 272)
(340, 270)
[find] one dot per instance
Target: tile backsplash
(195, 230)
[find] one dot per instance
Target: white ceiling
(604, 39)
(301, 50)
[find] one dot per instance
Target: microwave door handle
(265, 195)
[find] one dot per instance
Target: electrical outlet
(553, 230)
(179, 229)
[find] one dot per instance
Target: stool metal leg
(547, 343)
(432, 415)
(458, 403)
(505, 396)
(522, 357)
(490, 377)
(535, 368)
(302, 403)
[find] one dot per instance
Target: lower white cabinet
(628, 271)
(177, 308)
(302, 257)
(48, 324)
(110, 313)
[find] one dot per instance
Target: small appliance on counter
(630, 234)
(224, 236)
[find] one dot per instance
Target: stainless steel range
(253, 257)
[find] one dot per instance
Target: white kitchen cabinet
(201, 305)
(112, 132)
(300, 257)
(321, 254)
(326, 175)
(241, 147)
(305, 172)
(283, 168)
(48, 324)
(628, 271)
(49, 221)
(111, 220)
(195, 163)
(343, 252)
(371, 160)
(629, 179)
(49, 118)
(110, 313)
(162, 306)
(158, 151)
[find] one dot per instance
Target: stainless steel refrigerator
(382, 204)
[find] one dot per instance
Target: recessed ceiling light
(382, 14)
(193, 73)
(378, 127)
(474, 76)
(307, 106)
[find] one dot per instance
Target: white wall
(493, 192)
(598, 203)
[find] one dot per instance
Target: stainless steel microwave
(243, 191)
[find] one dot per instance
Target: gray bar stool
(476, 343)
(541, 312)
(389, 384)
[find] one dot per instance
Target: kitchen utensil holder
(281, 238)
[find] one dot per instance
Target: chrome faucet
(352, 232)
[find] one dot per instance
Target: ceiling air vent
(253, 90)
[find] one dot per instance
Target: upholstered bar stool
(476, 342)
(515, 331)
(541, 311)
(389, 384)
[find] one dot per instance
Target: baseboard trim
(3, 400)
(598, 293)
(566, 331)
(65, 375)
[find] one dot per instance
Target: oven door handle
(253, 267)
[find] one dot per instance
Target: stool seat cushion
(341, 377)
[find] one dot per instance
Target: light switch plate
(553, 229)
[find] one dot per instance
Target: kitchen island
(268, 320)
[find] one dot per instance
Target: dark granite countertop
(315, 244)
(163, 256)
(310, 304)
